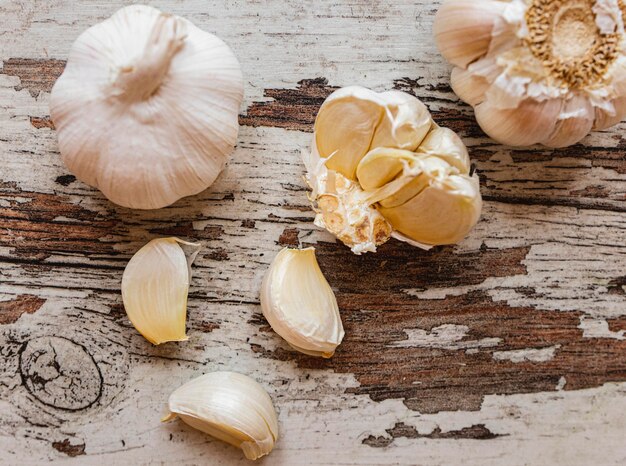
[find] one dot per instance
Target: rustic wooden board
(509, 348)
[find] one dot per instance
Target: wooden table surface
(509, 348)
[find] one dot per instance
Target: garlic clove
(530, 123)
(382, 165)
(299, 304)
(463, 29)
(230, 407)
(420, 175)
(575, 122)
(344, 127)
(443, 213)
(405, 124)
(446, 145)
(605, 120)
(155, 284)
(470, 87)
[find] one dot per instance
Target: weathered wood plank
(513, 341)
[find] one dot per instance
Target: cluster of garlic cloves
(299, 304)
(155, 285)
(231, 407)
(381, 167)
(147, 107)
(537, 71)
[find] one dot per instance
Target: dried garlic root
(380, 167)
(299, 304)
(537, 71)
(155, 284)
(230, 407)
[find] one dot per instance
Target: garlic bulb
(537, 71)
(230, 407)
(147, 107)
(299, 304)
(380, 167)
(155, 284)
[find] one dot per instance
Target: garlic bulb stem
(140, 79)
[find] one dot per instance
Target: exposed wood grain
(475, 432)
(36, 75)
(11, 310)
(513, 341)
(68, 448)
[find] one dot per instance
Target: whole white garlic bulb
(230, 407)
(147, 107)
(299, 304)
(537, 71)
(380, 167)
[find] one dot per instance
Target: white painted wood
(574, 254)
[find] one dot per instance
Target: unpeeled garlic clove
(468, 86)
(575, 122)
(230, 407)
(155, 284)
(405, 123)
(382, 165)
(463, 29)
(420, 175)
(604, 120)
(299, 304)
(344, 127)
(443, 213)
(530, 123)
(446, 145)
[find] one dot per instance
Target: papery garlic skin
(380, 168)
(231, 407)
(155, 285)
(147, 107)
(299, 304)
(537, 71)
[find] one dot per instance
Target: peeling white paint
(447, 336)
(599, 328)
(527, 354)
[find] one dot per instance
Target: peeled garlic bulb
(380, 167)
(147, 107)
(299, 304)
(155, 286)
(537, 71)
(230, 407)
